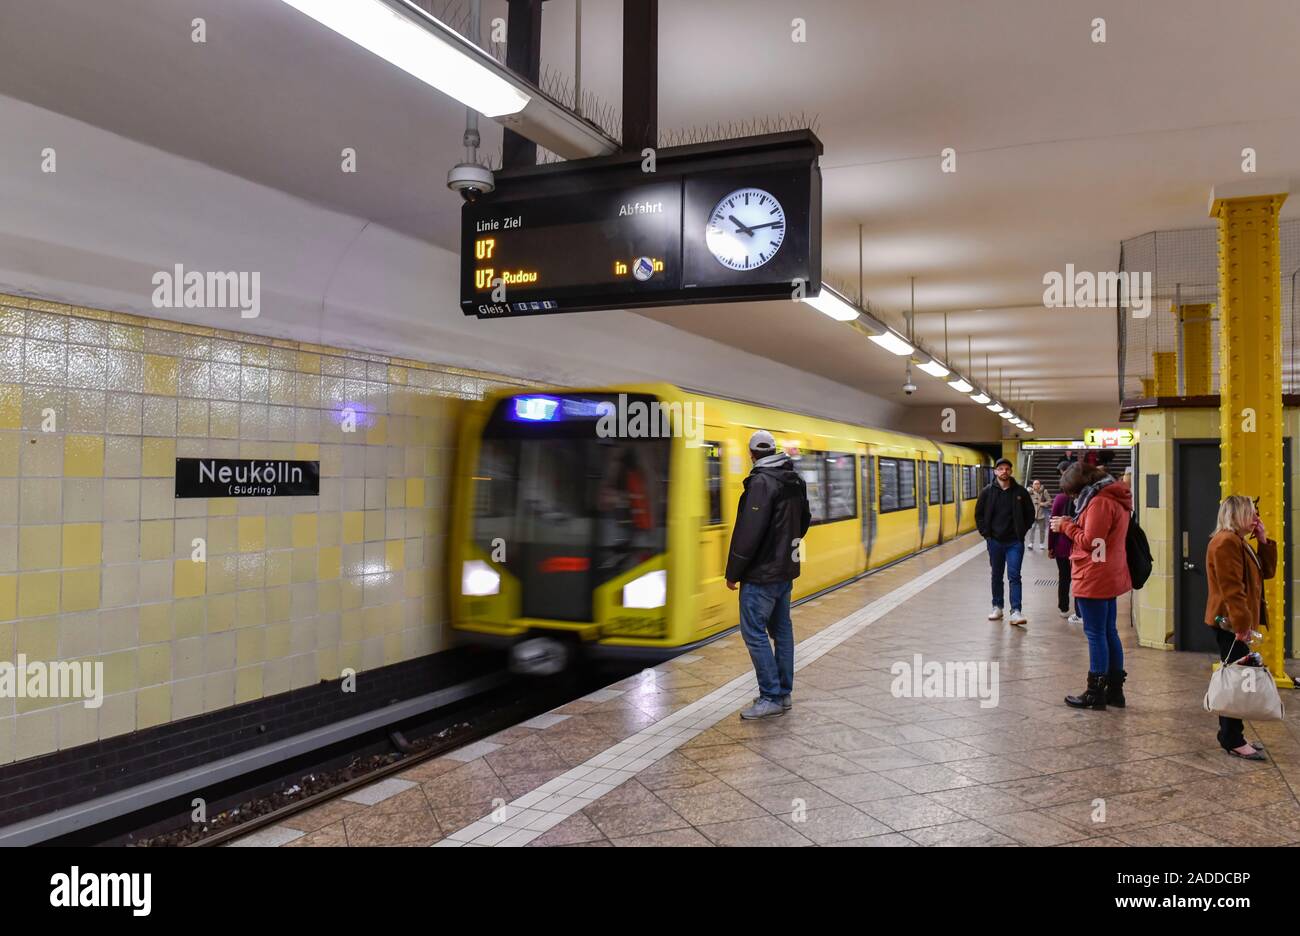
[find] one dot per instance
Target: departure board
(712, 223)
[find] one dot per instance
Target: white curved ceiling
(1064, 146)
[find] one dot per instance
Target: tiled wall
(95, 550)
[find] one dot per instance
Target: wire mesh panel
(1169, 333)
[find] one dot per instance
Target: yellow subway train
(596, 523)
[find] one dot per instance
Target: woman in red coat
(1098, 575)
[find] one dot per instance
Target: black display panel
(714, 222)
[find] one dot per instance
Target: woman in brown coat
(1236, 576)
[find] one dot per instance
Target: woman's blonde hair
(1237, 512)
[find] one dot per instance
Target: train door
(868, 487)
(922, 501)
(714, 537)
(958, 491)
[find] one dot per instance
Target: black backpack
(1138, 552)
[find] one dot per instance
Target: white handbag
(1245, 692)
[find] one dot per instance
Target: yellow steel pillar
(1165, 365)
(1197, 359)
(1250, 371)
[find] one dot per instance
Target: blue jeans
(1105, 652)
(764, 611)
(1008, 557)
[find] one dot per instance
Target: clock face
(745, 229)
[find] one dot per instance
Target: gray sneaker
(763, 708)
(786, 704)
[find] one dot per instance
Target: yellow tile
(82, 544)
(306, 451)
(308, 363)
(189, 578)
(374, 525)
(395, 555)
(248, 684)
(278, 602)
(38, 639)
(8, 602)
(11, 406)
(159, 458)
(157, 539)
(354, 526)
(252, 534)
(156, 623)
(190, 616)
(328, 529)
(81, 590)
(222, 506)
(160, 375)
(221, 613)
(395, 496)
(38, 594)
(83, 456)
(250, 646)
(154, 664)
(9, 454)
(378, 433)
(414, 492)
(38, 547)
(153, 706)
(328, 563)
(250, 608)
(304, 530)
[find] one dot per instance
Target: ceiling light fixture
(935, 368)
(980, 397)
(423, 47)
(829, 302)
(995, 406)
(960, 385)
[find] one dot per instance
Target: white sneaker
(995, 614)
(1017, 617)
(1074, 619)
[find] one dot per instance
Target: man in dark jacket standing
(1003, 514)
(766, 544)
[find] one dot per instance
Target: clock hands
(750, 229)
(740, 227)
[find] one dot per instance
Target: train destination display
(717, 222)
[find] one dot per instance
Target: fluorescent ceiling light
(960, 385)
(979, 398)
(1006, 414)
(830, 303)
(934, 367)
(995, 406)
(422, 47)
(1029, 428)
(892, 343)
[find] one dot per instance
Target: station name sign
(246, 477)
(728, 221)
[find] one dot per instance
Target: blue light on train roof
(555, 409)
(536, 408)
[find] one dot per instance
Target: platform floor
(663, 758)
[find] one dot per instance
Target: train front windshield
(563, 508)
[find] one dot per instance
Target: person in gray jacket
(763, 562)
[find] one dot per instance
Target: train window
(906, 484)
(947, 484)
(932, 480)
(713, 463)
(810, 467)
(968, 481)
(888, 469)
(841, 487)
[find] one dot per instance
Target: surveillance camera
(471, 180)
(909, 388)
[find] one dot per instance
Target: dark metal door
(1195, 508)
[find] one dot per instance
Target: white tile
(448, 843)
(547, 821)
(475, 828)
(518, 839)
(553, 803)
(559, 783)
(472, 751)
(574, 788)
(270, 837)
(687, 658)
(494, 835)
(544, 721)
(602, 695)
(529, 799)
(378, 792)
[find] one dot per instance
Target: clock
(745, 229)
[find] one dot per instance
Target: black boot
(1115, 688)
(1094, 697)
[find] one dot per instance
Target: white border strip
(526, 818)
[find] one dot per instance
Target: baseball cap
(1003, 461)
(762, 441)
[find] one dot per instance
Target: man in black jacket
(1003, 514)
(766, 545)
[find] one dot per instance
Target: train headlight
(648, 591)
(478, 579)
